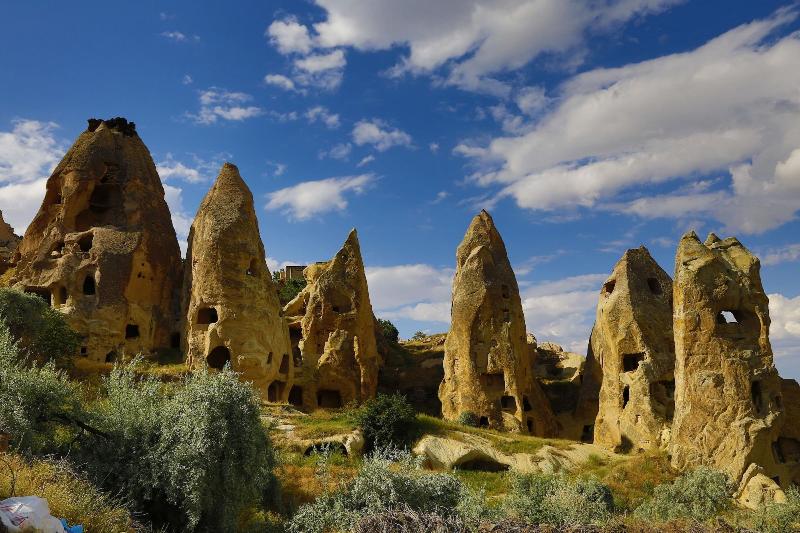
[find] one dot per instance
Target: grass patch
(495, 485)
(325, 423)
(304, 478)
(68, 495)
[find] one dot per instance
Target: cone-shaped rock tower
(231, 307)
(487, 363)
(8, 244)
(102, 247)
(633, 343)
(333, 333)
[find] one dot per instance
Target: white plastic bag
(28, 514)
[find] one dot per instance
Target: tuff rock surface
(332, 331)
(102, 248)
(8, 244)
(560, 374)
(487, 363)
(231, 307)
(728, 406)
(787, 448)
(633, 344)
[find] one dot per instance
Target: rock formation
(786, 450)
(102, 248)
(231, 307)
(728, 406)
(8, 244)
(487, 363)
(332, 330)
(633, 344)
(559, 374)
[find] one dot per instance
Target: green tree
(290, 289)
(389, 330)
(387, 421)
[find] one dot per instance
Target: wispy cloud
(180, 37)
(220, 104)
(312, 198)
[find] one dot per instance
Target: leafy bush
(40, 331)
(390, 332)
(193, 458)
(558, 501)
(387, 421)
(379, 487)
(468, 418)
(419, 336)
(778, 517)
(697, 495)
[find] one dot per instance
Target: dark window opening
(85, 242)
(218, 357)
(105, 196)
(296, 395)
(84, 351)
(755, 395)
(111, 356)
(89, 287)
(526, 405)
(508, 403)
(329, 398)
(42, 293)
(587, 435)
(506, 315)
(529, 423)
(58, 247)
(727, 317)
(662, 395)
(504, 290)
(275, 391)
(786, 450)
(58, 199)
(175, 341)
(609, 286)
(483, 422)
(493, 381)
(482, 464)
(626, 396)
(63, 295)
(655, 286)
(132, 331)
(284, 368)
(207, 315)
(630, 361)
(252, 270)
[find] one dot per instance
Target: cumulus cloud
(196, 171)
(279, 80)
(784, 333)
(289, 36)
(397, 286)
(312, 198)
(181, 219)
(730, 107)
(216, 103)
(322, 114)
(28, 154)
(377, 133)
(782, 254)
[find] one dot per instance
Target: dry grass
(68, 495)
(302, 480)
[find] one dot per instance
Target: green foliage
(193, 458)
(778, 517)
(468, 418)
(419, 336)
(290, 289)
(558, 501)
(697, 495)
(389, 330)
(40, 330)
(386, 481)
(35, 401)
(387, 421)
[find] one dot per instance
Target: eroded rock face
(231, 307)
(332, 330)
(8, 244)
(560, 374)
(786, 449)
(728, 400)
(102, 248)
(487, 364)
(632, 342)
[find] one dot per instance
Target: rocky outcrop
(786, 449)
(633, 344)
(332, 330)
(560, 374)
(487, 363)
(231, 307)
(728, 407)
(102, 248)
(8, 244)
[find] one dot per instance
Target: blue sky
(586, 127)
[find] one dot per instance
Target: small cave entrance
(508, 403)
(630, 361)
(175, 341)
(132, 331)
(482, 463)
(296, 396)
(105, 198)
(506, 316)
(786, 450)
(84, 351)
(340, 302)
(206, 316)
(41, 292)
(608, 286)
(504, 291)
(329, 398)
(626, 395)
(483, 422)
(587, 434)
(529, 424)
(85, 243)
(89, 285)
(218, 357)
(662, 395)
(275, 391)
(60, 297)
(284, 368)
(526, 405)
(654, 286)
(111, 357)
(252, 268)
(495, 382)
(756, 396)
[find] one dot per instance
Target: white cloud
(531, 100)
(366, 161)
(322, 114)
(180, 218)
(20, 202)
(783, 254)
(279, 80)
(180, 37)
(320, 62)
(216, 103)
(784, 333)
(339, 151)
(187, 79)
(377, 133)
(433, 147)
(289, 36)
(197, 171)
(440, 197)
(323, 71)
(392, 287)
(731, 105)
(311, 198)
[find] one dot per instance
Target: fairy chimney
(231, 307)
(487, 363)
(102, 248)
(632, 342)
(8, 244)
(728, 407)
(332, 329)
